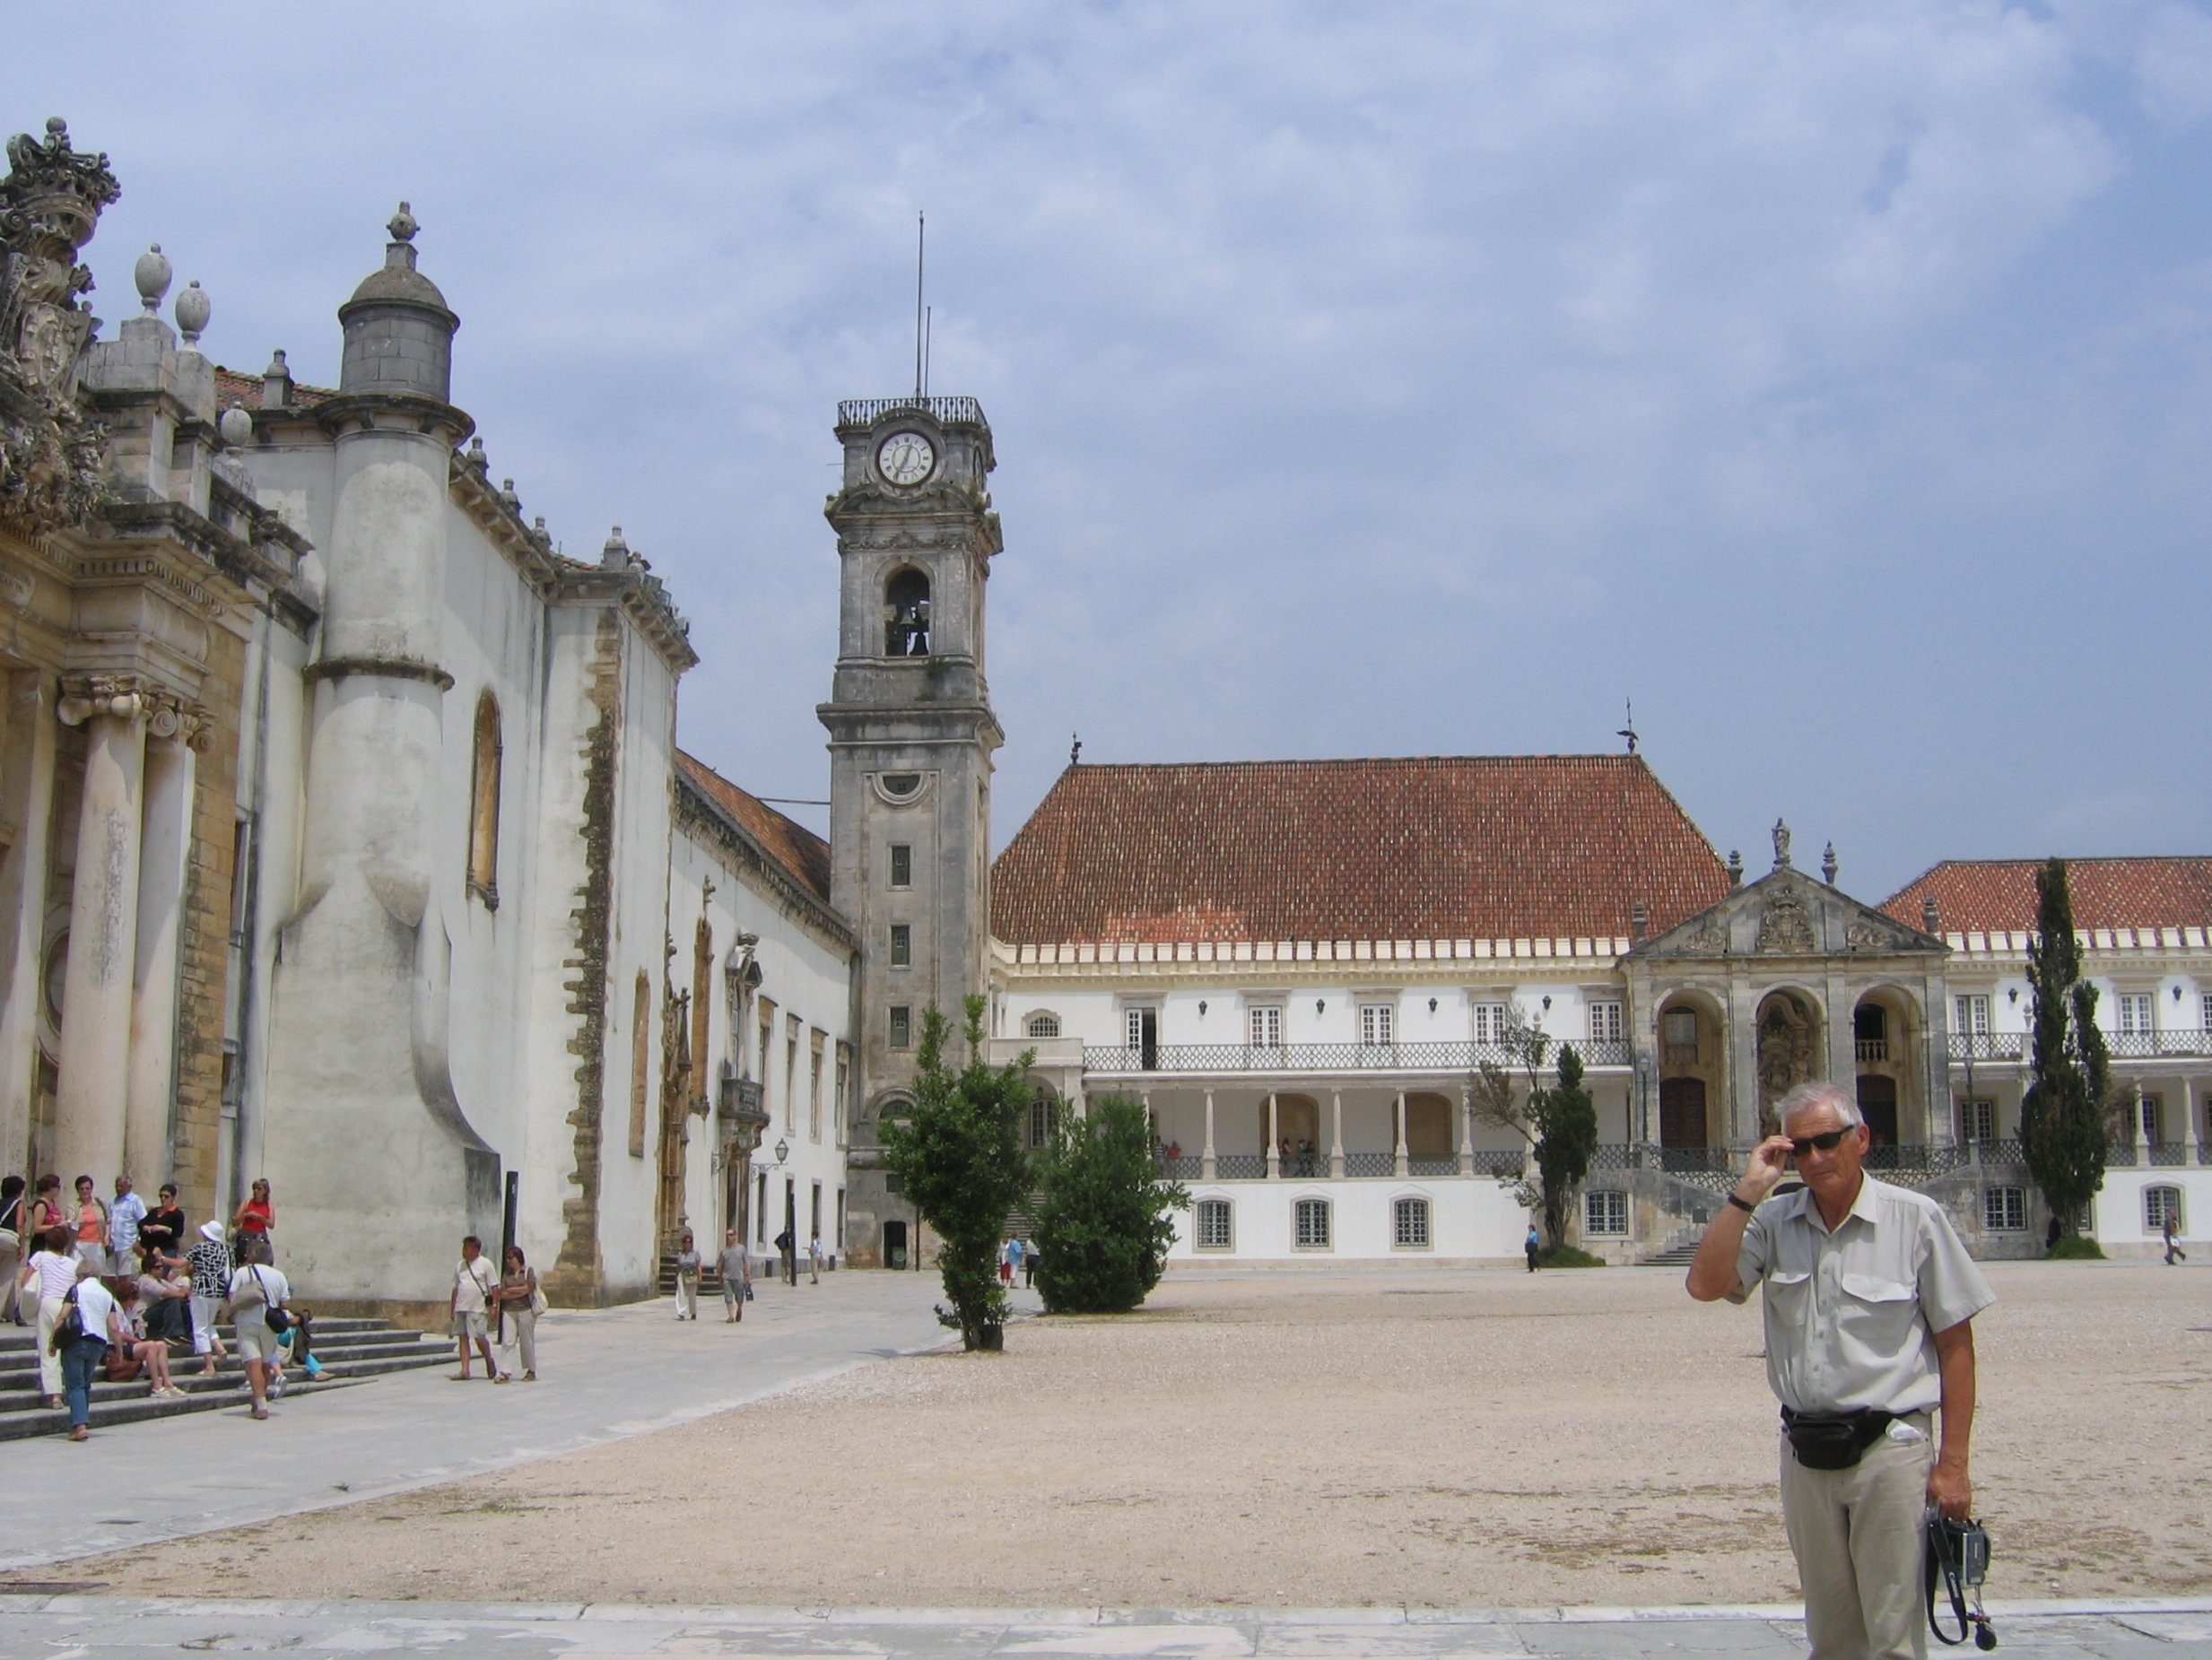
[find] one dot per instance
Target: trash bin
(898, 1256)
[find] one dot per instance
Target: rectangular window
(1215, 1225)
(901, 1027)
(1679, 1031)
(1043, 1026)
(2204, 1014)
(1042, 1118)
(841, 1222)
(814, 1086)
(895, 1183)
(2135, 1013)
(1376, 1021)
(1266, 1027)
(839, 1108)
(790, 1072)
(1605, 1022)
(1977, 1121)
(1410, 1224)
(902, 865)
(2154, 1114)
(2004, 1210)
(1490, 1022)
(815, 1215)
(1142, 1028)
(1310, 1225)
(760, 1213)
(2160, 1203)
(1605, 1213)
(902, 946)
(1969, 1014)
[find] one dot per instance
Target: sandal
(81, 1433)
(502, 1378)
(529, 1378)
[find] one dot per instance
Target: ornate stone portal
(1789, 1052)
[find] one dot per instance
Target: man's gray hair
(1808, 1096)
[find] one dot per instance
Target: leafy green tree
(1106, 1217)
(2065, 1119)
(1559, 1124)
(1566, 1121)
(959, 1152)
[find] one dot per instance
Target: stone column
(1467, 1130)
(164, 847)
(1275, 1159)
(1336, 1133)
(1206, 1161)
(2142, 1130)
(2192, 1147)
(103, 925)
(1397, 1131)
(26, 797)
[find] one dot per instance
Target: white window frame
(2004, 1210)
(1970, 1011)
(1612, 1223)
(1311, 1239)
(1042, 1024)
(1490, 1019)
(1411, 1216)
(1206, 1209)
(2159, 1200)
(1263, 1025)
(1378, 1025)
(1977, 1113)
(1607, 1020)
(2136, 1012)
(1133, 1025)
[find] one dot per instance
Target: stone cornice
(382, 668)
(697, 810)
(1445, 959)
(168, 714)
(399, 411)
(633, 591)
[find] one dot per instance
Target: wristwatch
(1740, 1203)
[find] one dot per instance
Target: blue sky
(1835, 381)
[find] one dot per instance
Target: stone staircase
(1680, 1247)
(350, 1351)
(709, 1277)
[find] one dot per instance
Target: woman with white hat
(210, 1259)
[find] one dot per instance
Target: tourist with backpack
(87, 1324)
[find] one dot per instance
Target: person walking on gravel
(1869, 1304)
(473, 1285)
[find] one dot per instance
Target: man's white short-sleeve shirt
(1852, 1315)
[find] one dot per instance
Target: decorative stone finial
(512, 502)
(151, 273)
(236, 426)
(1828, 865)
(1735, 868)
(1639, 919)
(192, 312)
(615, 555)
(276, 383)
(1781, 844)
(1932, 920)
(403, 225)
(537, 528)
(477, 457)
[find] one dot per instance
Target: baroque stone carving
(1786, 1036)
(1784, 926)
(1864, 935)
(49, 453)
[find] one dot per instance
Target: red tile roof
(1979, 896)
(803, 855)
(232, 387)
(1439, 847)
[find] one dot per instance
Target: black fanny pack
(1834, 1441)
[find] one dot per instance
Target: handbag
(537, 1296)
(273, 1318)
(1834, 1440)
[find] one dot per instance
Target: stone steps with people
(349, 1350)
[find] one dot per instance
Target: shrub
(1104, 1219)
(2076, 1248)
(1567, 1257)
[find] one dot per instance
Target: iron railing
(1506, 1165)
(2169, 1153)
(2122, 1046)
(1370, 1164)
(1433, 1167)
(1183, 1167)
(1918, 1162)
(1241, 1167)
(862, 411)
(1323, 1058)
(1988, 1045)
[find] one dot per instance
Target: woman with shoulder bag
(53, 1271)
(256, 1293)
(520, 1303)
(89, 1322)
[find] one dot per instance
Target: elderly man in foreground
(1870, 1300)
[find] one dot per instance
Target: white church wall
(1468, 1222)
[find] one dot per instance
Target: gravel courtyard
(1438, 1439)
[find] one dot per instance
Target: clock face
(906, 459)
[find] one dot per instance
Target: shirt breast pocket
(1877, 1314)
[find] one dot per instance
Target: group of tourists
(734, 1264)
(117, 1290)
(508, 1301)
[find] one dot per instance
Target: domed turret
(398, 328)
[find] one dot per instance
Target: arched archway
(1886, 1038)
(1790, 1049)
(1298, 1135)
(1428, 1126)
(906, 613)
(1692, 1061)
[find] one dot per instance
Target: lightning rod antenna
(921, 230)
(929, 335)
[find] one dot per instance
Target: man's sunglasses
(1827, 1140)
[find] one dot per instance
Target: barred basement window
(1310, 1225)
(2158, 1205)
(1409, 1223)
(1216, 1230)
(901, 1026)
(2004, 1210)
(902, 946)
(902, 865)
(1605, 1213)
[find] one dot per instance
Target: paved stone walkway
(603, 1374)
(65, 1626)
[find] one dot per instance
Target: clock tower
(911, 735)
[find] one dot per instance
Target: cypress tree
(1106, 1218)
(1566, 1121)
(2065, 1131)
